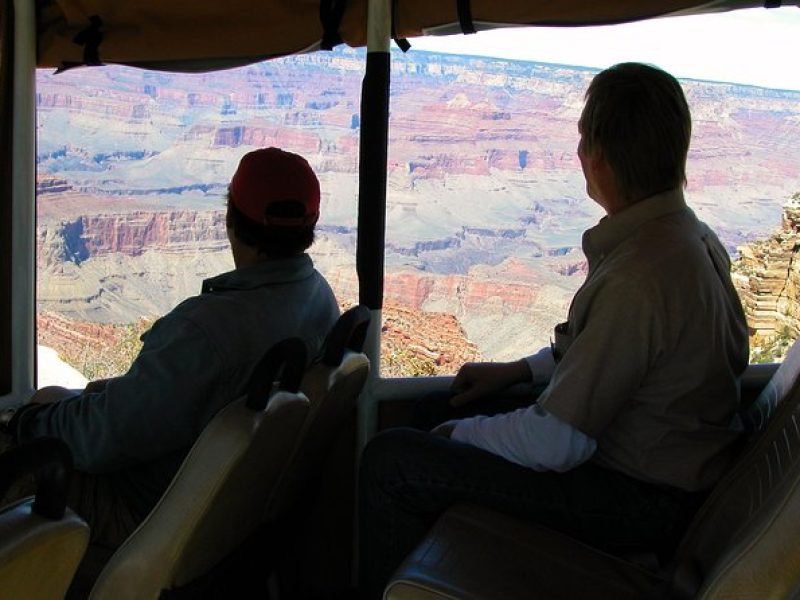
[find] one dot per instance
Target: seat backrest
(743, 541)
(332, 385)
(217, 497)
(759, 413)
(41, 541)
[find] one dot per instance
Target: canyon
(485, 207)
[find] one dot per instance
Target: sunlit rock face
(767, 277)
(417, 343)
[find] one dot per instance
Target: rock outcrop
(417, 343)
(130, 234)
(767, 277)
(96, 350)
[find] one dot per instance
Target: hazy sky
(754, 46)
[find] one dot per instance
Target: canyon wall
(485, 205)
(767, 277)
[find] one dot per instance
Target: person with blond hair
(638, 417)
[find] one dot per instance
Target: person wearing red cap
(128, 435)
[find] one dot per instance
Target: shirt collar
(614, 229)
(281, 270)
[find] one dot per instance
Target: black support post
(372, 179)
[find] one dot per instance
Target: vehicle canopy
(201, 34)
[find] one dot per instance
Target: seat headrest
(348, 333)
(290, 355)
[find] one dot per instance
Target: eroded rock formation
(767, 277)
(416, 343)
(485, 199)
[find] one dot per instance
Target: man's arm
(51, 394)
(610, 357)
(475, 381)
(97, 385)
(530, 437)
(606, 362)
(158, 406)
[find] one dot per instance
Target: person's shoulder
(319, 278)
(672, 253)
(670, 235)
(201, 307)
(653, 254)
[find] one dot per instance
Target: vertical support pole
(6, 170)
(17, 306)
(372, 213)
(372, 191)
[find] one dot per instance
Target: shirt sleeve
(609, 357)
(160, 405)
(530, 437)
(542, 364)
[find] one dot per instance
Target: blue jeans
(408, 477)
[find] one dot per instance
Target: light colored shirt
(648, 363)
(530, 437)
(656, 340)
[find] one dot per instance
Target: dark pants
(409, 477)
(93, 497)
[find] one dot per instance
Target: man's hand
(478, 380)
(51, 394)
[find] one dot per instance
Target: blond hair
(638, 115)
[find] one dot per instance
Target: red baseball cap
(272, 175)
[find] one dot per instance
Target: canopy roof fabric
(208, 34)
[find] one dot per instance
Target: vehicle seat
(742, 543)
(332, 385)
(474, 553)
(759, 413)
(41, 540)
(744, 540)
(217, 498)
